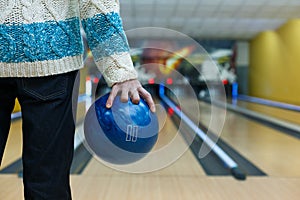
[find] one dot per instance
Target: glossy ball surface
(123, 134)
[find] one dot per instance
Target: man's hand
(134, 90)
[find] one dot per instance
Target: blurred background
(255, 47)
(254, 42)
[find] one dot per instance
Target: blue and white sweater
(42, 37)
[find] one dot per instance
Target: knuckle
(147, 94)
(124, 99)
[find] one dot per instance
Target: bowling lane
(274, 152)
(186, 165)
(282, 114)
(165, 188)
(13, 149)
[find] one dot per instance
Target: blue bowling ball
(123, 134)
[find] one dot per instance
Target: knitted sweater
(42, 37)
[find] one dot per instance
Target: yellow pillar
(275, 64)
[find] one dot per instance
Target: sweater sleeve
(106, 38)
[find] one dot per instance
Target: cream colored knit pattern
(34, 17)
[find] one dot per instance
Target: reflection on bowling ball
(122, 134)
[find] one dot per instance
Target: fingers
(133, 89)
(124, 95)
(147, 96)
(112, 97)
(135, 97)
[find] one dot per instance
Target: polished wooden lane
(13, 149)
(275, 152)
(183, 188)
(11, 187)
(167, 188)
(282, 114)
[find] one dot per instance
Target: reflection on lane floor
(273, 151)
(283, 114)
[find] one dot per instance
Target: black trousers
(48, 126)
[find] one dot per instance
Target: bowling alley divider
(269, 102)
(228, 161)
(287, 127)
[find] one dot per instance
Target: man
(40, 55)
